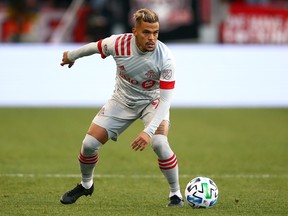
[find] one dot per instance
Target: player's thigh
(113, 118)
(98, 132)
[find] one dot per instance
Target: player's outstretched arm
(65, 60)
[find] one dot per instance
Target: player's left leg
(167, 160)
(168, 163)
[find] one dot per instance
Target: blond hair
(145, 15)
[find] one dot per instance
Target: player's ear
(134, 30)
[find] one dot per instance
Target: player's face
(146, 35)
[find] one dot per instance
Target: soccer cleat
(72, 195)
(175, 201)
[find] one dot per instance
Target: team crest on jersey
(167, 74)
(150, 74)
(148, 84)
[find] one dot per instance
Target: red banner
(255, 24)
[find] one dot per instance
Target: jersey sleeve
(162, 109)
(104, 47)
(167, 84)
(167, 77)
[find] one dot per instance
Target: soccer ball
(201, 192)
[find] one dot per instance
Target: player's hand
(65, 60)
(142, 140)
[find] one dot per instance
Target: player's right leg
(88, 157)
(168, 165)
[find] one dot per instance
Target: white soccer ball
(201, 192)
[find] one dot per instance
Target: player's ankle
(87, 185)
(177, 193)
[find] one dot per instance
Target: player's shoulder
(123, 36)
(163, 49)
(161, 45)
(118, 44)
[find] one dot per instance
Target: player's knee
(161, 146)
(158, 140)
(90, 145)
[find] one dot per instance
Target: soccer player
(145, 80)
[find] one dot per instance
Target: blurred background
(228, 52)
(195, 21)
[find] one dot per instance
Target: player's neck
(139, 51)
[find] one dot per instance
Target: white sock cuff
(178, 193)
(87, 184)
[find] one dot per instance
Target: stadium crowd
(36, 21)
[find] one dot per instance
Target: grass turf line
(211, 142)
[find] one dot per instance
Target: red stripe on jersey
(123, 44)
(99, 45)
(116, 46)
(167, 84)
(128, 44)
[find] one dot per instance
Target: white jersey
(139, 75)
(141, 78)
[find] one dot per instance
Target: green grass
(245, 151)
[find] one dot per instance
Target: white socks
(88, 158)
(87, 185)
(167, 162)
(178, 193)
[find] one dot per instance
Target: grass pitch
(245, 151)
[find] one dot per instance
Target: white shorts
(115, 117)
